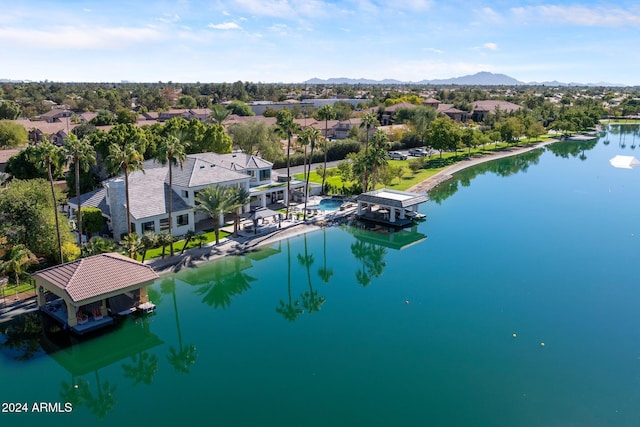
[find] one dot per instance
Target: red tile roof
(97, 275)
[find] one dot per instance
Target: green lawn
(434, 165)
(177, 246)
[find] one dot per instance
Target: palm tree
(17, 260)
(219, 113)
(82, 154)
(326, 113)
(132, 243)
(377, 157)
(97, 245)
(190, 234)
(127, 159)
(173, 151)
(149, 240)
(369, 121)
(287, 127)
(240, 196)
(214, 201)
(163, 240)
(310, 136)
(49, 156)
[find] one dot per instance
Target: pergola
(84, 287)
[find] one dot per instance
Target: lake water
(343, 327)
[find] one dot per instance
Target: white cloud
(577, 15)
(490, 46)
(433, 50)
(225, 26)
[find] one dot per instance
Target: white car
(418, 152)
(396, 155)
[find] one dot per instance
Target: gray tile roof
(149, 193)
(201, 169)
(97, 275)
(96, 198)
(235, 161)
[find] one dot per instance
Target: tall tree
(214, 201)
(326, 113)
(48, 156)
(239, 196)
(377, 157)
(127, 160)
(287, 128)
(369, 121)
(171, 150)
(310, 136)
(82, 154)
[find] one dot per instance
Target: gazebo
(85, 294)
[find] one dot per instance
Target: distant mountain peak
(482, 78)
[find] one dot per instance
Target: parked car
(418, 152)
(396, 155)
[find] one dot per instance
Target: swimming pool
(330, 204)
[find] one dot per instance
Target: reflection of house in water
(86, 357)
(398, 239)
(85, 294)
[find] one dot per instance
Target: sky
(294, 40)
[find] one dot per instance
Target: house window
(185, 194)
(265, 174)
(148, 226)
(164, 223)
(195, 198)
(183, 219)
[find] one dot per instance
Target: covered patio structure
(85, 294)
(393, 208)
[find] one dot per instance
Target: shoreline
(247, 243)
(241, 245)
(447, 172)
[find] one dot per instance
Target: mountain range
(483, 78)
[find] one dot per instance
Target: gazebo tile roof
(97, 275)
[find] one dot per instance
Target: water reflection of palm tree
(142, 369)
(77, 392)
(311, 301)
(290, 310)
(185, 356)
(217, 292)
(372, 261)
(324, 272)
(104, 401)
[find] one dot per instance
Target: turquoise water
(330, 204)
(343, 327)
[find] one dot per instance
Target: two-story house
(149, 191)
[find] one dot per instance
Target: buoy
(514, 335)
(541, 344)
(406, 301)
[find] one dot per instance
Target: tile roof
(203, 169)
(97, 275)
(149, 193)
(96, 198)
(490, 105)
